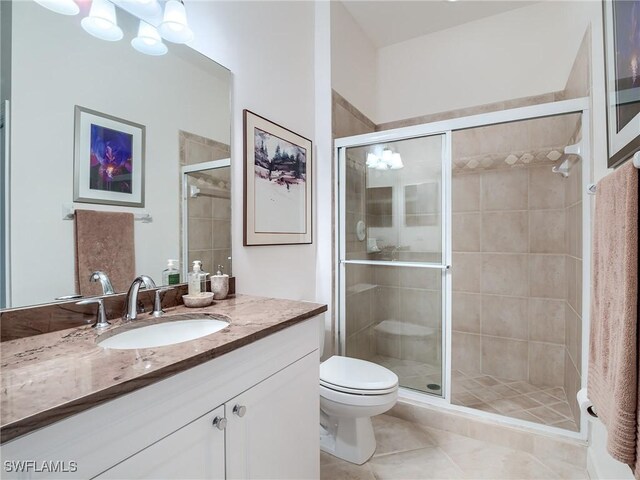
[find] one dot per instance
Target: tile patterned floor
(407, 451)
(516, 399)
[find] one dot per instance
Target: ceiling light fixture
(388, 161)
(102, 22)
(65, 7)
(174, 26)
(147, 9)
(148, 40)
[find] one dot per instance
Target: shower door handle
(436, 266)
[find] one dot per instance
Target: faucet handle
(101, 317)
(157, 305)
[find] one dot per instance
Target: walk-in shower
(459, 258)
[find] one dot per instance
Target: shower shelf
(404, 329)
(361, 287)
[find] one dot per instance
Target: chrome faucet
(131, 300)
(100, 276)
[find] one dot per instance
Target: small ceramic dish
(194, 301)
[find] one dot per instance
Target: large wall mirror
(183, 101)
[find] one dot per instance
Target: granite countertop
(46, 378)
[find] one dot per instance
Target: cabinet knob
(239, 410)
(220, 423)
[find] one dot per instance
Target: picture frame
(108, 161)
(278, 180)
(622, 67)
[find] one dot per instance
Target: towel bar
(68, 213)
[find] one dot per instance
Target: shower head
(566, 161)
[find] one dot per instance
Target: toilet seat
(357, 377)
(357, 391)
(357, 399)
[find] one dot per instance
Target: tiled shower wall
(509, 273)
(348, 121)
(209, 217)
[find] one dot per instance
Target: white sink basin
(162, 334)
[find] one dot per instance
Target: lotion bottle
(195, 278)
(220, 284)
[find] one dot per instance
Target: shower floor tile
(517, 399)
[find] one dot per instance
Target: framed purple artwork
(108, 159)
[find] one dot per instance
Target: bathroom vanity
(239, 403)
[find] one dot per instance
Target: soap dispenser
(195, 279)
(220, 284)
(171, 275)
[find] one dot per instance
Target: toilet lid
(355, 374)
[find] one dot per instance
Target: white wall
(353, 62)
(269, 48)
(520, 53)
(56, 66)
(324, 159)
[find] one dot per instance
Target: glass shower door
(392, 258)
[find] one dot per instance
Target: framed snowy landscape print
(277, 184)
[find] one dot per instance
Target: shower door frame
(446, 128)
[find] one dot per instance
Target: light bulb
(148, 40)
(65, 7)
(143, 8)
(102, 22)
(396, 162)
(174, 25)
(372, 160)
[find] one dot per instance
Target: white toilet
(351, 392)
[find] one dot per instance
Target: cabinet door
(196, 451)
(276, 435)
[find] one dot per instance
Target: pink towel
(104, 241)
(613, 342)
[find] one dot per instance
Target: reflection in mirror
(55, 66)
(421, 204)
(207, 188)
(400, 202)
(380, 206)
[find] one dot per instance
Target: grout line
(395, 452)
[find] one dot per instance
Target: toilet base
(351, 439)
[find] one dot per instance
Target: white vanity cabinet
(266, 391)
(195, 451)
(268, 434)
